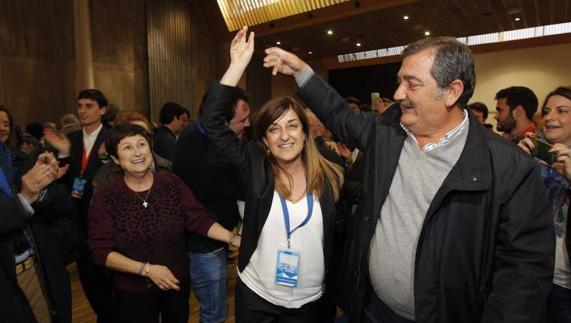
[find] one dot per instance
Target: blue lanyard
(286, 216)
(4, 185)
(200, 128)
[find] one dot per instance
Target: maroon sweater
(119, 222)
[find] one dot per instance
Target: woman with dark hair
(552, 149)
(8, 133)
(137, 228)
(110, 172)
(290, 192)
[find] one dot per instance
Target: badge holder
(287, 267)
(78, 187)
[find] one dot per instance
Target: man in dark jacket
(81, 152)
(37, 287)
(453, 222)
(217, 189)
(173, 119)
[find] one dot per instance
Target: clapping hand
(45, 171)
(61, 143)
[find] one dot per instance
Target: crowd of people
(406, 211)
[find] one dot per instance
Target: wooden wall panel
(36, 59)
(118, 35)
(181, 54)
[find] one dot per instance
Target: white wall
(542, 69)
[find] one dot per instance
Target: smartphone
(542, 152)
(375, 97)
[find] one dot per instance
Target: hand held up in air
(241, 51)
(283, 61)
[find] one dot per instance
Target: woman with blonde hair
(287, 237)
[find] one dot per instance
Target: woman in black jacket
(290, 192)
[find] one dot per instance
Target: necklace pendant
(145, 204)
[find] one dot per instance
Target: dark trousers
(252, 308)
(558, 308)
(97, 286)
(165, 307)
(378, 312)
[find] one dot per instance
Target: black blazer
(70, 234)
(256, 176)
(214, 186)
(14, 306)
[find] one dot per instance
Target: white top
(260, 274)
(89, 139)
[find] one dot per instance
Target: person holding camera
(552, 149)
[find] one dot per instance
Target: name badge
(78, 187)
(287, 267)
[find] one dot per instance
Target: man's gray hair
(452, 61)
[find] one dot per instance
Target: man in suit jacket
(81, 152)
(21, 298)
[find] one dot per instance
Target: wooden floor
(82, 313)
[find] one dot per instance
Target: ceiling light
(405, 17)
(330, 32)
(358, 44)
(517, 19)
(310, 52)
(427, 33)
(278, 43)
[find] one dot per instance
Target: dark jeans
(165, 307)
(252, 308)
(96, 282)
(558, 305)
(378, 312)
(209, 280)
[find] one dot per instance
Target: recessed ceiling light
(427, 33)
(405, 17)
(278, 43)
(517, 19)
(330, 32)
(358, 44)
(310, 52)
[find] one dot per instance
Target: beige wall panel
(36, 47)
(118, 33)
(182, 55)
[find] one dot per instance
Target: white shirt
(260, 273)
(89, 139)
